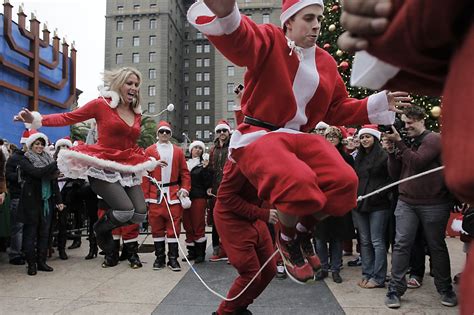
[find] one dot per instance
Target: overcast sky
(82, 21)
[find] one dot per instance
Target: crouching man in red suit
(175, 183)
(237, 212)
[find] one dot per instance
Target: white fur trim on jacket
(370, 72)
(218, 26)
(377, 109)
(31, 139)
(370, 131)
(36, 124)
(106, 93)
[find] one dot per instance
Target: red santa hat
(25, 135)
(197, 143)
(163, 125)
(222, 124)
(291, 7)
(35, 135)
(371, 130)
(64, 141)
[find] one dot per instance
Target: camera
(239, 88)
(399, 126)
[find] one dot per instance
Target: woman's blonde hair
(115, 79)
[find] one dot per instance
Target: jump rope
(278, 250)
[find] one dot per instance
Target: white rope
(157, 184)
(360, 198)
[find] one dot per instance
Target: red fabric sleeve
(88, 111)
(184, 174)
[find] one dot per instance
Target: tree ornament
(335, 8)
(435, 111)
(339, 52)
(332, 28)
(344, 65)
(327, 46)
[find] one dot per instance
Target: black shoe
(75, 244)
(111, 260)
(17, 261)
(173, 263)
(200, 249)
(355, 263)
(336, 277)
(160, 256)
(62, 254)
(92, 252)
(392, 300)
(32, 269)
(159, 263)
(449, 298)
(191, 253)
(321, 274)
(242, 311)
(42, 266)
(132, 252)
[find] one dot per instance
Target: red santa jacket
(174, 177)
(287, 86)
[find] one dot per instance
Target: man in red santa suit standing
(291, 84)
(175, 183)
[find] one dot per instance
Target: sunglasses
(222, 131)
(162, 131)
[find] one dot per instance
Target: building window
(230, 88)
(119, 42)
(207, 48)
(207, 76)
(136, 25)
(151, 90)
(199, 91)
(198, 35)
(186, 77)
(198, 49)
(186, 49)
(198, 105)
(153, 24)
(207, 90)
(120, 9)
(198, 134)
(186, 106)
(136, 7)
(198, 120)
(136, 41)
(186, 63)
(186, 35)
(152, 74)
(230, 71)
(207, 120)
(207, 134)
(136, 58)
(152, 57)
(198, 76)
(231, 122)
(230, 106)
(198, 62)
(118, 59)
(151, 108)
(153, 6)
(207, 62)
(119, 26)
(152, 40)
(186, 91)
(266, 18)
(186, 120)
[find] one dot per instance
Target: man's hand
(273, 217)
(221, 8)
(398, 99)
(24, 116)
(2, 198)
(182, 193)
(362, 19)
(395, 136)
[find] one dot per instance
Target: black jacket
(12, 174)
(31, 206)
(201, 180)
(372, 171)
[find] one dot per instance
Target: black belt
(259, 123)
(169, 184)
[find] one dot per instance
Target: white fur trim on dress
(31, 139)
(36, 124)
(106, 93)
(218, 26)
(371, 72)
(295, 8)
(75, 164)
(377, 109)
(130, 240)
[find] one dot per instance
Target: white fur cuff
(377, 109)
(217, 26)
(36, 124)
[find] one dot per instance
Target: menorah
(34, 72)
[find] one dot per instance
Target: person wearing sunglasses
(175, 183)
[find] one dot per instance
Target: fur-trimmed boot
(160, 256)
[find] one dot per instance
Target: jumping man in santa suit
(176, 183)
(290, 85)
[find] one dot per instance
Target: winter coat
(3, 186)
(201, 180)
(217, 158)
(30, 207)
(372, 171)
(13, 175)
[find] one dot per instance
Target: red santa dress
(290, 89)
(115, 157)
(173, 178)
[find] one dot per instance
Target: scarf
(42, 160)
(192, 163)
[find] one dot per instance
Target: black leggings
(127, 203)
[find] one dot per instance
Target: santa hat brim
(369, 131)
(31, 139)
(295, 8)
(222, 126)
(61, 142)
(197, 143)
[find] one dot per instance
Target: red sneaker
(221, 256)
(308, 251)
(296, 267)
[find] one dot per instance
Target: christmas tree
(330, 32)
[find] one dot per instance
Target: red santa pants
(247, 253)
(194, 222)
(299, 174)
(128, 232)
(160, 221)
